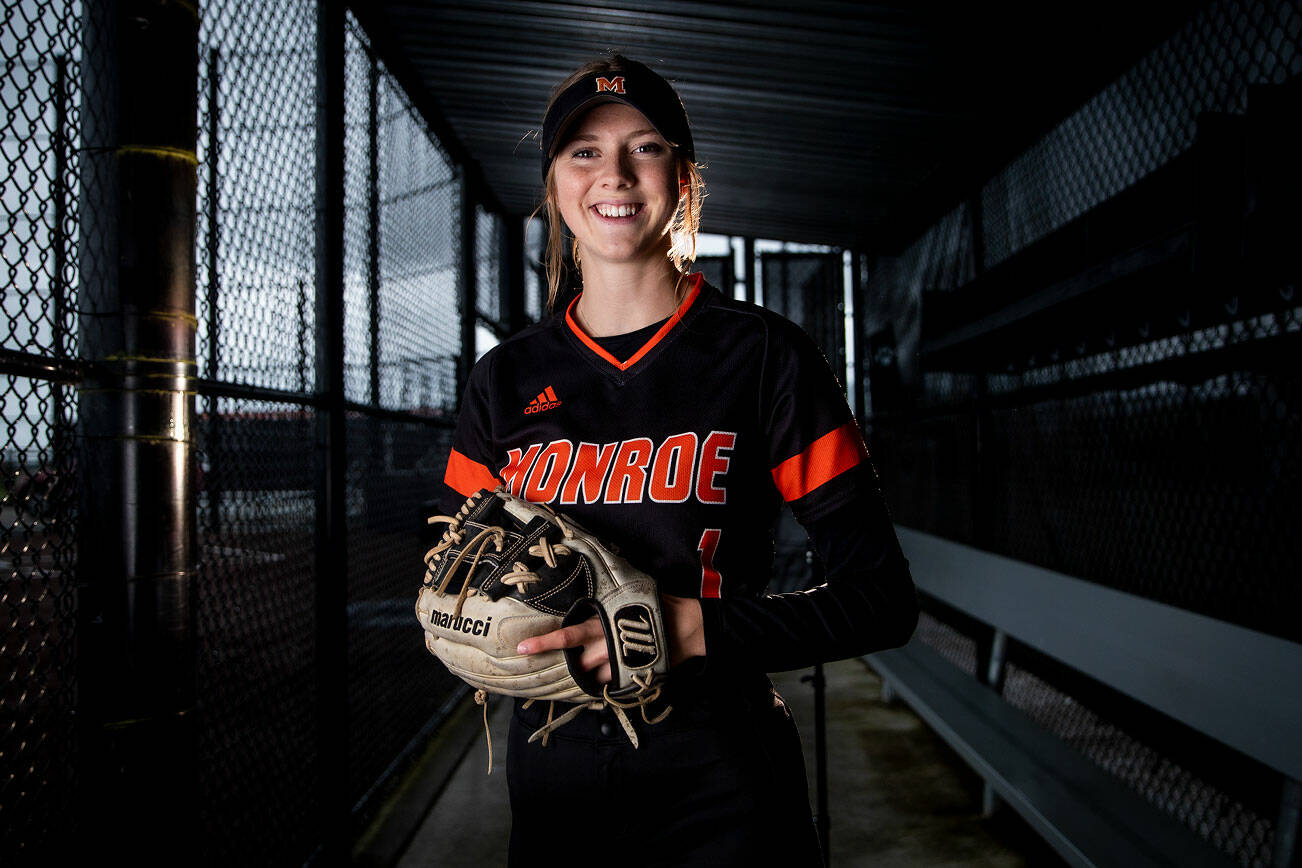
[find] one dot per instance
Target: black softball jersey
(679, 444)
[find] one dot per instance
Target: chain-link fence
(807, 289)
(258, 411)
(401, 260)
(1098, 358)
(39, 122)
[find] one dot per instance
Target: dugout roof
(853, 124)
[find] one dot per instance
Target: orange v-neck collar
(693, 290)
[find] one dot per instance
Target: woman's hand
(586, 633)
(682, 620)
(686, 627)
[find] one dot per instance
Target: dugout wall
(1091, 364)
(342, 264)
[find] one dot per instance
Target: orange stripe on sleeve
(467, 476)
(825, 459)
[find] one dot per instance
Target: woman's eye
(582, 153)
(648, 148)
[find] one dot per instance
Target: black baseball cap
(636, 85)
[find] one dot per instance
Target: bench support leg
(995, 681)
(889, 696)
(1286, 827)
(995, 667)
(990, 801)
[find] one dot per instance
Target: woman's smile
(618, 211)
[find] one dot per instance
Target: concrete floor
(899, 798)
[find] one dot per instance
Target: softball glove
(507, 570)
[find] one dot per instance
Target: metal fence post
(212, 481)
(331, 439)
(858, 298)
(373, 221)
(59, 243)
(467, 274)
(137, 545)
(822, 816)
(748, 253)
(1284, 852)
(511, 251)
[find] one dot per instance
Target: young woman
(673, 421)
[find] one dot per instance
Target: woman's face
(617, 185)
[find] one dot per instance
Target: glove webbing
(520, 575)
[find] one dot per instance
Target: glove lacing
(454, 535)
(521, 577)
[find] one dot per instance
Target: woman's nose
(618, 171)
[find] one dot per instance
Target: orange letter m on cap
(612, 85)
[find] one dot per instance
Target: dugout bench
(1238, 686)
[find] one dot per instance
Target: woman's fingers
(595, 654)
(566, 637)
(587, 634)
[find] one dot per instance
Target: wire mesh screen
(258, 330)
(419, 228)
(807, 288)
(407, 246)
(535, 279)
(1137, 427)
(1183, 486)
(1143, 119)
(38, 498)
(1219, 795)
(40, 122)
(395, 685)
(717, 271)
(403, 257)
(488, 246)
(362, 311)
(255, 229)
(40, 111)
(257, 698)
(259, 772)
(257, 327)
(955, 645)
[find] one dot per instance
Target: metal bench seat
(1235, 685)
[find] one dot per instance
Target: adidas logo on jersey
(546, 400)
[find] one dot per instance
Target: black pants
(719, 782)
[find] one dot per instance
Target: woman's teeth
(618, 210)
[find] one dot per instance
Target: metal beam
(213, 483)
(511, 272)
(748, 253)
(331, 455)
(859, 299)
(467, 290)
(136, 528)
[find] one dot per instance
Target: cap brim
(583, 108)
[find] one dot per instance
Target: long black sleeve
(866, 603)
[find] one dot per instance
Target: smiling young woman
(676, 423)
(661, 140)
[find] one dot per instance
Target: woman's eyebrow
(590, 137)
